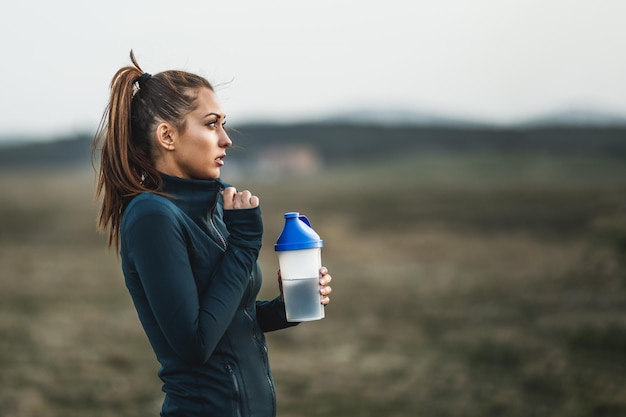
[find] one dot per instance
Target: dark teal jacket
(191, 270)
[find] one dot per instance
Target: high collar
(191, 195)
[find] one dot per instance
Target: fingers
(243, 200)
(326, 289)
(325, 277)
(234, 199)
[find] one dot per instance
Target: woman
(188, 243)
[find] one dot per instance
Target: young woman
(188, 243)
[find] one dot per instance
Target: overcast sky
(491, 60)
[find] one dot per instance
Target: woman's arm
(271, 315)
(192, 323)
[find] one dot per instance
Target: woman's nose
(225, 141)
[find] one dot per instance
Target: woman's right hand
(242, 217)
(234, 200)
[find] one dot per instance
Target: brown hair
(137, 104)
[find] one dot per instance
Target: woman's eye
(213, 124)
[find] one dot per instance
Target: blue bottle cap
(297, 234)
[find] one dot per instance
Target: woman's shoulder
(148, 204)
(147, 218)
(146, 201)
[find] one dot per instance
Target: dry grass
(463, 287)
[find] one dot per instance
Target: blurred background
(464, 162)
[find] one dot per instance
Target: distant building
(294, 160)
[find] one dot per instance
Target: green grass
(485, 285)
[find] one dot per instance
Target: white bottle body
(299, 270)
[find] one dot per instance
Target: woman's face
(201, 147)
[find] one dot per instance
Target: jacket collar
(192, 195)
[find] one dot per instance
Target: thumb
(229, 194)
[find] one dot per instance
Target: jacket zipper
(231, 372)
(215, 229)
(217, 232)
(271, 384)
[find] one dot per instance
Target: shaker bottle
(299, 257)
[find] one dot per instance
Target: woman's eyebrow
(213, 114)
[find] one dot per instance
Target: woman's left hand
(325, 291)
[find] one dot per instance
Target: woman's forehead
(207, 103)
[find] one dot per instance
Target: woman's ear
(166, 136)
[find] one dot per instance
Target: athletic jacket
(191, 269)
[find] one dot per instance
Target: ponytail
(124, 139)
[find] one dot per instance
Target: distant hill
(394, 117)
(345, 142)
(70, 152)
(355, 143)
(578, 117)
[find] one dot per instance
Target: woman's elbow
(195, 352)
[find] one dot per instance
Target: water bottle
(299, 257)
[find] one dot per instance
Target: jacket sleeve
(271, 315)
(193, 323)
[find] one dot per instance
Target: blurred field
(483, 285)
